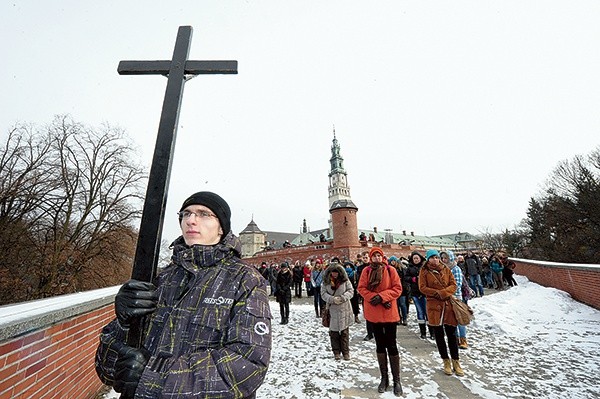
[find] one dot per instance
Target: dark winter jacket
(210, 336)
(411, 276)
(401, 269)
(298, 274)
(485, 266)
(273, 270)
(509, 267)
(473, 265)
(359, 270)
(264, 271)
(463, 268)
(284, 287)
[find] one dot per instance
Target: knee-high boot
(383, 368)
(431, 333)
(422, 329)
(395, 366)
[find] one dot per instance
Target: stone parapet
(47, 346)
(581, 281)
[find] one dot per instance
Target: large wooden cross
(149, 239)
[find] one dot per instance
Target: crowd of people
(202, 326)
(386, 288)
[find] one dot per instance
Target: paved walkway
(422, 353)
(421, 366)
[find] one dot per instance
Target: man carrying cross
(201, 328)
(209, 334)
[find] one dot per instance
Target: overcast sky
(450, 115)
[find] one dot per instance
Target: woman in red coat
(437, 283)
(379, 285)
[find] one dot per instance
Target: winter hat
(430, 253)
(393, 258)
(284, 264)
(451, 255)
(319, 261)
(213, 202)
(375, 250)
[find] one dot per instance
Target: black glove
(135, 299)
(376, 300)
(387, 305)
(128, 370)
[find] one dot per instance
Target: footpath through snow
(526, 342)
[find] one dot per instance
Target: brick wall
(52, 357)
(582, 282)
(56, 361)
(326, 251)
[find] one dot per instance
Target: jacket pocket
(207, 328)
(158, 318)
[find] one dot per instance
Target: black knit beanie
(213, 202)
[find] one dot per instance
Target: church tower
(341, 208)
(338, 179)
(252, 239)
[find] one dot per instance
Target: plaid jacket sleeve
(112, 339)
(458, 276)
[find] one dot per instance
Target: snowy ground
(526, 342)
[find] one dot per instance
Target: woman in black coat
(284, 291)
(411, 276)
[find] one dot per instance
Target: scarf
(375, 276)
(335, 283)
(436, 268)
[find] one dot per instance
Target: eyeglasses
(198, 214)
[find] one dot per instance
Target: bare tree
(75, 193)
(164, 257)
(25, 178)
(491, 241)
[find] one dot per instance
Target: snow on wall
(581, 281)
(47, 346)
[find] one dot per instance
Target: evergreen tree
(564, 222)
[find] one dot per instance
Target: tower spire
(338, 179)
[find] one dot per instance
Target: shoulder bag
(462, 311)
(326, 317)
